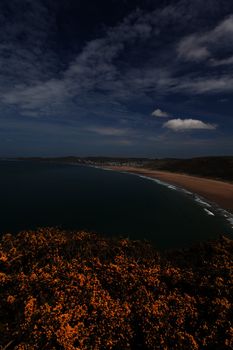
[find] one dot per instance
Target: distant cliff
(77, 290)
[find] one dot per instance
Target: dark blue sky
(116, 77)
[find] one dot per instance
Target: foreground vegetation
(64, 290)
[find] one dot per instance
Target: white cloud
(159, 113)
(188, 124)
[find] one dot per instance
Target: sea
(70, 196)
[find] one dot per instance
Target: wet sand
(215, 191)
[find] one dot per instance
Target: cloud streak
(197, 47)
(107, 131)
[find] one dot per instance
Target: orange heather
(77, 290)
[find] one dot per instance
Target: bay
(40, 194)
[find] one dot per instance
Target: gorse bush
(77, 290)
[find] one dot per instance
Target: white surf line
(100, 167)
(209, 212)
(227, 215)
(198, 199)
(202, 202)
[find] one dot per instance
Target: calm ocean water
(78, 197)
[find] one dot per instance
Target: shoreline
(214, 191)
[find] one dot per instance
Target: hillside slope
(212, 167)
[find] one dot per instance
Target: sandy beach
(215, 191)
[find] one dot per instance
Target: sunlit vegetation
(64, 290)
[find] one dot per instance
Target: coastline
(214, 191)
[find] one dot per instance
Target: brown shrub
(77, 290)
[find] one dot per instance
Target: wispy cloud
(101, 73)
(197, 47)
(221, 62)
(36, 86)
(119, 142)
(192, 48)
(188, 124)
(205, 85)
(33, 97)
(107, 131)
